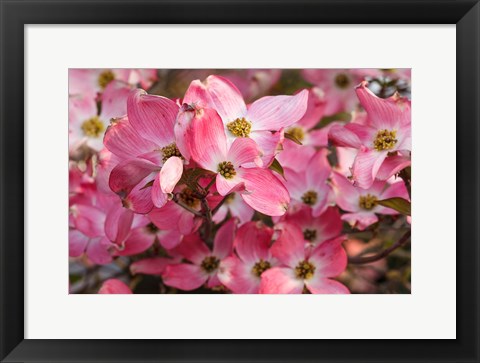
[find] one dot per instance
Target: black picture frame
(15, 14)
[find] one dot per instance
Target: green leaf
(293, 138)
(276, 167)
(399, 204)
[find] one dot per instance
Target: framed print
(240, 181)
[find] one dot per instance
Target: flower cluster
(240, 183)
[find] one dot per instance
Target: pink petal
(365, 133)
(360, 220)
(139, 199)
(150, 266)
(252, 242)
(170, 174)
(208, 143)
(392, 165)
(198, 95)
(183, 131)
(114, 100)
(326, 286)
(386, 113)
(114, 286)
(172, 216)
(226, 186)
(270, 144)
(170, 239)
(77, 242)
(122, 140)
(319, 169)
(193, 249)
(226, 98)
(280, 280)
(240, 210)
(330, 259)
(238, 277)
(223, 242)
(366, 166)
(264, 192)
(97, 251)
(126, 175)
(184, 276)
(315, 108)
(289, 248)
(89, 220)
(139, 241)
(341, 136)
(118, 223)
(271, 113)
(159, 198)
(242, 151)
(153, 117)
(347, 196)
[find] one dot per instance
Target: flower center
(304, 270)
(105, 78)
(240, 127)
(229, 198)
(367, 201)
(226, 169)
(260, 267)
(310, 197)
(310, 234)
(342, 80)
(151, 228)
(169, 151)
(385, 140)
(92, 127)
(296, 132)
(186, 196)
(210, 264)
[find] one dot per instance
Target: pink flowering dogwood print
(248, 181)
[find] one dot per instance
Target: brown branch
(359, 260)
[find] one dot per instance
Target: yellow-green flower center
(296, 132)
(226, 169)
(367, 201)
(260, 267)
(240, 127)
(105, 78)
(169, 151)
(186, 196)
(210, 264)
(342, 80)
(310, 234)
(304, 270)
(229, 198)
(93, 127)
(385, 140)
(310, 197)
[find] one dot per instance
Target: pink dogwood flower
(303, 269)
(237, 207)
(204, 263)
(361, 203)
(114, 286)
(338, 85)
(242, 274)
(146, 144)
(383, 140)
(208, 146)
(263, 121)
(316, 230)
(86, 126)
(309, 187)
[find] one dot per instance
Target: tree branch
(359, 260)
